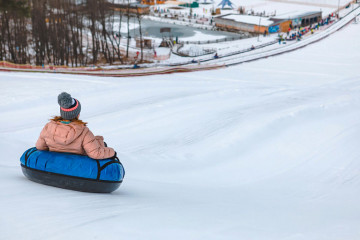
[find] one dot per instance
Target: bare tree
(62, 32)
(128, 28)
(13, 33)
(139, 18)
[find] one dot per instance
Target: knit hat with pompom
(69, 107)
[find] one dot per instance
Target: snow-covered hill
(264, 150)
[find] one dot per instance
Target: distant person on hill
(67, 133)
(136, 66)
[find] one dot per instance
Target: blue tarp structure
(223, 3)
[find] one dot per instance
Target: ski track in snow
(263, 150)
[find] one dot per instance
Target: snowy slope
(263, 150)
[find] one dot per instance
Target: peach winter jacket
(73, 138)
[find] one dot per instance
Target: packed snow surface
(265, 150)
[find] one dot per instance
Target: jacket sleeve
(100, 140)
(95, 149)
(40, 143)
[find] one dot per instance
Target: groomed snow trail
(266, 150)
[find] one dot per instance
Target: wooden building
(146, 43)
(152, 2)
(134, 8)
(257, 24)
(252, 24)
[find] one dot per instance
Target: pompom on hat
(70, 107)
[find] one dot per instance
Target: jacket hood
(65, 134)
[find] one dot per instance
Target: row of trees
(65, 32)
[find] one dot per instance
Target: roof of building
(174, 2)
(139, 5)
(249, 19)
(296, 14)
(132, 5)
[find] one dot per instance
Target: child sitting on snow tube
(68, 155)
(67, 133)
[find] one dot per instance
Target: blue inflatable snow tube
(72, 171)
